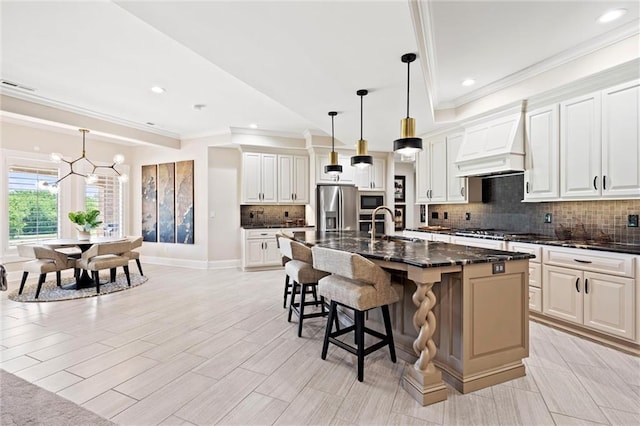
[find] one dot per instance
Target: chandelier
(75, 167)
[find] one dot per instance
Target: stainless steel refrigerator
(337, 207)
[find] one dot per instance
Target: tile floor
(214, 347)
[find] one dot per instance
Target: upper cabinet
(542, 147)
(621, 141)
(346, 176)
(372, 177)
(600, 145)
(436, 173)
(259, 178)
(273, 178)
(293, 179)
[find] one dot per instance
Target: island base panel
(472, 383)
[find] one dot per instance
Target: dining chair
(45, 260)
(103, 256)
(135, 255)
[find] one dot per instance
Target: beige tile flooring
(214, 347)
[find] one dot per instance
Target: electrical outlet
(632, 221)
(547, 218)
(467, 216)
(498, 268)
(286, 214)
(434, 215)
(446, 215)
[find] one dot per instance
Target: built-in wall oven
(369, 201)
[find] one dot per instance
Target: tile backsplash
(270, 215)
(503, 209)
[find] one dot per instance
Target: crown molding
(422, 27)
(264, 132)
(37, 99)
(605, 40)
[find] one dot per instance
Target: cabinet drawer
(591, 260)
(535, 299)
(535, 274)
(527, 248)
(261, 233)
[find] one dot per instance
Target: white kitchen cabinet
(621, 141)
(599, 301)
(293, 179)
(542, 148)
(372, 177)
(428, 236)
(259, 178)
(599, 144)
(535, 299)
(456, 188)
(431, 172)
(346, 176)
(260, 249)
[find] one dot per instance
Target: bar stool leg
(359, 316)
(327, 333)
(293, 299)
(303, 292)
(286, 291)
(389, 331)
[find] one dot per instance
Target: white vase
(84, 235)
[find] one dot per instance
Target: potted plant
(85, 222)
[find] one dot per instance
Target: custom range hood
(493, 146)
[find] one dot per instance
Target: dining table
(85, 280)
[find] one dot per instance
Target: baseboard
(170, 261)
(224, 264)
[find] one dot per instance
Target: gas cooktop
(491, 233)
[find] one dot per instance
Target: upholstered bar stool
(305, 278)
(285, 252)
(359, 284)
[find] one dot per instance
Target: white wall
(224, 205)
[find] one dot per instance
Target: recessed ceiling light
(469, 82)
(199, 107)
(157, 89)
(253, 125)
(150, 123)
(611, 15)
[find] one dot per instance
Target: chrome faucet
(373, 221)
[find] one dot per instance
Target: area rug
(24, 403)
(50, 291)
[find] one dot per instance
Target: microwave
(370, 201)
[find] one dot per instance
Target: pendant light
(361, 159)
(408, 143)
(333, 168)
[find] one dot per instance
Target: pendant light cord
(332, 133)
(408, 79)
(361, 98)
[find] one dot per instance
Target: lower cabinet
(535, 299)
(598, 301)
(262, 252)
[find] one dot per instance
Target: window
(33, 211)
(106, 195)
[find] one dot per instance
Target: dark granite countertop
(424, 254)
(551, 241)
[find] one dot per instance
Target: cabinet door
(272, 254)
(251, 178)
(254, 253)
(535, 299)
(362, 177)
(542, 154)
(300, 179)
(377, 174)
(285, 178)
(438, 168)
(422, 175)
(269, 178)
(608, 304)
(580, 147)
(456, 190)
(562, 295)
(620, 136)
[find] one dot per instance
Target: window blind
(33, 210)
(106, 195)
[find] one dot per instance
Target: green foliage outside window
(32, 213)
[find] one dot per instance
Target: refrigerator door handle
(340, 209)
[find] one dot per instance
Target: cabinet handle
(604, 182)
(462, 191)
(581, 261)
(295, 196)
(263, 234)
(527, 187)
(595, 185)
(578, 285)
(586, 285)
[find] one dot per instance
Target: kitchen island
(464, 314)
